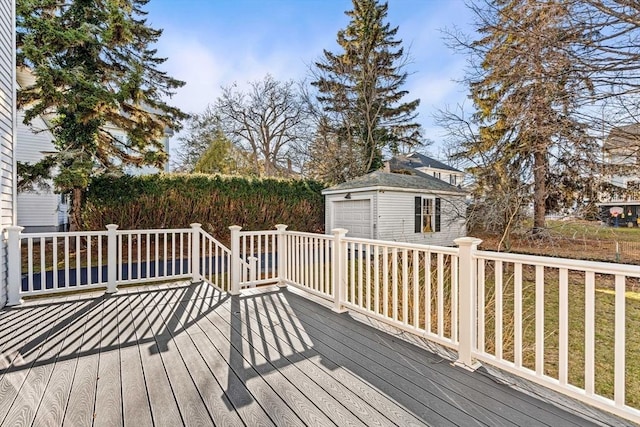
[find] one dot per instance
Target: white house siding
(396, 218)
(7, 126)
(38, 209)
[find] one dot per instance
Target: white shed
(396, 207)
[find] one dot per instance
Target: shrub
(176, 200)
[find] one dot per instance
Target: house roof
(623, 137)
(417, 160)
(379, 179)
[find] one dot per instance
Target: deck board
(179, 354)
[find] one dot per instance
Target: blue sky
(214, 43)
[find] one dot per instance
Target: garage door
(355, 216)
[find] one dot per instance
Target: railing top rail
(63, 234)
(400, 245)
(307, 234)
(571, 264)
(259, 233)
(216, 241)
(155, 230)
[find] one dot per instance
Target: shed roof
(378, 179)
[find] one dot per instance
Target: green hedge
(176, 200)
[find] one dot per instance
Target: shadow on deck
(189, 355)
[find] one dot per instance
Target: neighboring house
(399, 207)
(7, 131)
(621, 155)
(426, 165)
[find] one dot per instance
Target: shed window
(427, 214)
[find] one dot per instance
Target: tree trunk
(74, 214)
(539, 189)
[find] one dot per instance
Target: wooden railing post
(112, 258)
(339, 278)
(14, 265)
(236, 268)
(467, 302)
(196, 229)
(282, 255)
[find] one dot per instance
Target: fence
(569, 325)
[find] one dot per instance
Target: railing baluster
(43, 269)
(394, 286)
(481, 305)
(385, 282)
(405, 287)
(100, 264)
(427, 292)
(30, 262)
(619, 342)
(54, 261)
(416, 289)
(440, 274)
(498, 309)
(589, 332)
(563, 327)
(517, 315)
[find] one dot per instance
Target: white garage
(397, 207)
(355, 216)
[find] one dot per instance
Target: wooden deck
(171, 355)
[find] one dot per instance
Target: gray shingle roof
(417, 160)
(418, 181)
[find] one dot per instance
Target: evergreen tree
(361, 92)
(528, 97)
(94, 68)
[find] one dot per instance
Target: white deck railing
(536, 317)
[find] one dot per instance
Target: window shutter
(418, 215)
(437, 214)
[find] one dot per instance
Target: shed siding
(37, 210)
(396, 218)
(7, 126)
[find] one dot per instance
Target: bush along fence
(175, 200)
(570, 325)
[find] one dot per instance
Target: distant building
(621, 155)
(426, 165)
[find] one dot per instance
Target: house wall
(444, 175)
(7, 129)
(37, 210)
(396, 218)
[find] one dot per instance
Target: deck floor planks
(28, 398)
(136, 409)
(196, 356)
(358, 397)
(287, 351)
(251, 382)
(422, 387)
(304, 406)
(331, 407)
(268, 354)
(22, 355)
(81, 401)
(213, 396)
(190, 404)
(251, 395)
(54, 402)
(108, 409)
(515, 407)
(433, 412)
(164, 409)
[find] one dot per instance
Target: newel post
(338, 270)
(282, 255)
(195, 252)
(467, 302)
(236, 268)
(112, 258)
(14, 266)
